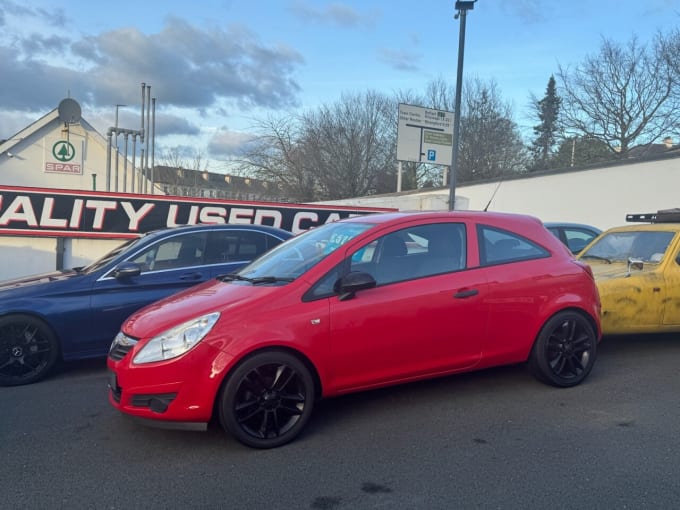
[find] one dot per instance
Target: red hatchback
(361, 303)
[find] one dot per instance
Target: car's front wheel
(267, 400)
(28, 350)
(565, 350)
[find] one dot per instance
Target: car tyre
(267, 399)
(564, 351)
(28, 350)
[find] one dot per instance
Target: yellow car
(637, 271)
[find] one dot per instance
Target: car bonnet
(37, 282)
(212, 296)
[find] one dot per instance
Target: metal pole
(134, 155)
(108, 161)
(125, 164)
(115, 186)
(148, 136)
(152, 134)
(462, 11)
(399, 170)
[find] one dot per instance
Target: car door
(671, 315)
(517, 269)
(416, 321)
(169, 265)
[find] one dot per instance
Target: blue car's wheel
(28, 350)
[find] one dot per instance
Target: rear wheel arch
(565, 348)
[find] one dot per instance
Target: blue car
(575, 236)
(75, 314)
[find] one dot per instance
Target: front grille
(118, 351)
(120, 346)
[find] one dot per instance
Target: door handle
(190, 276)
(466, 293)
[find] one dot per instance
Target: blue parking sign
(431, 155)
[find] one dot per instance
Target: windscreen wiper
(254, 281)
(596, 257)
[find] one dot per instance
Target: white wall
(601, 197)
(22, 256)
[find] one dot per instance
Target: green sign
(63, 150)
(437, 137)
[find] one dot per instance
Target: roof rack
(661, 216)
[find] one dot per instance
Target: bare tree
(490, 142)
(623, 96)
(182, 157)
(277, 155)
(350, 145)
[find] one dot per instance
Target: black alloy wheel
(565, 350)
(28, 350)
(267, 400)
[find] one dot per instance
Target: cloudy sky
(216, 65)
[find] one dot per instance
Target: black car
(74, 314)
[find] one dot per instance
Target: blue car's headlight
(176, 341)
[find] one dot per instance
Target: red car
(361, 303)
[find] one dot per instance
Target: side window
(413, 252)
(500, 247)
(577, 239)
(172, 253)
(237, 246)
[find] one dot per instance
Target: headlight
(176, 341)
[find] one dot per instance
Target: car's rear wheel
(28, 350)
(267, 400)
(565, 350)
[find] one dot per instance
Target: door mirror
(127, 270)
(636, 264)
(352, 282)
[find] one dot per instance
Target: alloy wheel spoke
(283, 376)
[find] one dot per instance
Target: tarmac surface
(491, 439)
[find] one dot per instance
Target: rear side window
(578, 238)
(498, 246)
(237, 246)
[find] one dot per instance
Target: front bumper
(181, 390)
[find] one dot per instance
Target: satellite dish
(69, 111)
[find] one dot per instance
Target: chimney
(668, 142)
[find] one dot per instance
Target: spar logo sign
(63, 152)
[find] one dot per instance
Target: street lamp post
(462, 8)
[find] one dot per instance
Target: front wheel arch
(225, 396)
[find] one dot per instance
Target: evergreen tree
(547, 112)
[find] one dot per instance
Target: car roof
(219, 226)
(571, 225)
(481, 216)
(652, 227)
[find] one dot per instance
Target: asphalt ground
(491, 439)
